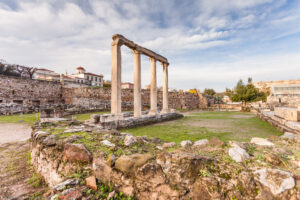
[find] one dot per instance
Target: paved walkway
(14, 132)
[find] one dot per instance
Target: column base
(152, 112)
(165, 111)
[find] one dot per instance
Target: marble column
(165, 108)
(153, 88)
(116, 78)
(137, 84)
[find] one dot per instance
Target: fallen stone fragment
(199, 143)
(54, 197)
(91, 182)
(101, 169)
(238, 154)
(111, 195)
(276, 180)
(291, 136)
(77, 152)
(261, 141)
(169, 144)
(129, 164)
(216, 142)
(50, 140)
(129, 140)
(186, 143)
(111, 159)
(40, 134)
(73, 130)
(108, 143)
(73, 195)
(62, 185)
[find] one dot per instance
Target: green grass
(27, 118)
(239, 129)
(31, 118)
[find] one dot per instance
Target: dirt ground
(11, 132)
(17, 180)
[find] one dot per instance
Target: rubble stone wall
(100, 97)
(19, 94)
(288, 100)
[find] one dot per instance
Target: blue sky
(209, 43)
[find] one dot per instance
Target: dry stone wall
(19, 95)
(25, 95)
(100, 98)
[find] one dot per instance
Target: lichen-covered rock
(129, 164)
(40, 134)
(72, 195)
(276, 180)
(68, 182)
(101, 169)
(169, 144)
(200, 143)
(77, 152)
(186, 143)
(261, 141)
(291, 136)
(50, 140)
(129, 140)
(108, 143)
(238, 154)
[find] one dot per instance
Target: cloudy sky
(209, 43)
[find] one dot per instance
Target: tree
(246, 93)
(209, 92)
(30, 71)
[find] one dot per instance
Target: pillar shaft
(153, 88)
(137, 84)
(165, 89)
(116, 79)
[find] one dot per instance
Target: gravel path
(14, 132)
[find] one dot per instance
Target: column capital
(164, 64)
(134, 51)
(117, 41)
(152, 59)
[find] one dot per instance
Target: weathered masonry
(118, 41)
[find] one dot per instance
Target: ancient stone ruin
(117, 119)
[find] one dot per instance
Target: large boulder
(276, 180)
(129, 164)
(77, 152)
(238, 154)
(261, 141)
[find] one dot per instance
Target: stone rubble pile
(149, 168)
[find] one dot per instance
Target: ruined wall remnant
(101, 98)
(19, 95)
(26, 95)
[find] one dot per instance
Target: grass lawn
(31, 118)
(226, 126)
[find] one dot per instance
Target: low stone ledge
(126, 120)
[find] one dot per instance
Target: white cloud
(61, 35)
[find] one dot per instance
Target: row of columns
(116, 83)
